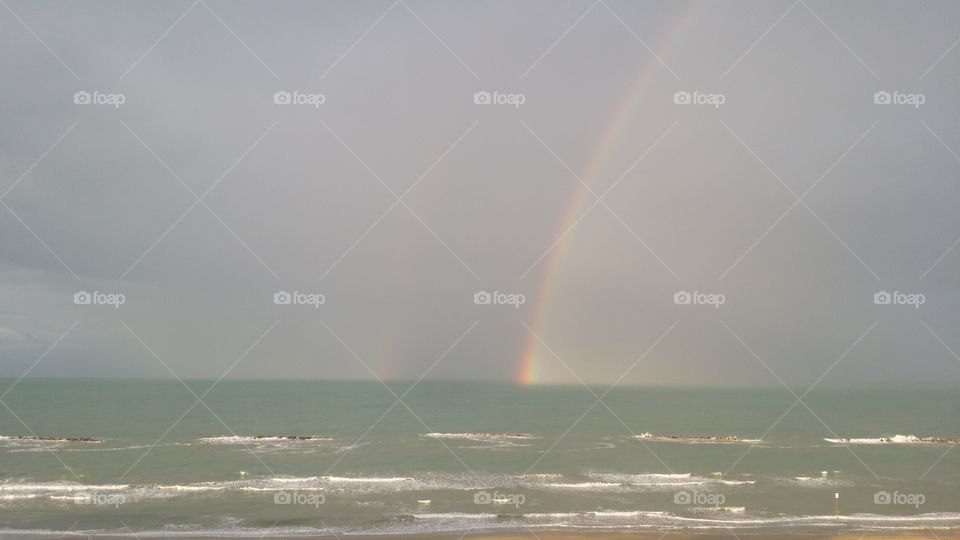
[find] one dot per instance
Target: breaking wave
(695, 438)
(483, 436)
(896, 439)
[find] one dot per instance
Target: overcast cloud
(297, 197)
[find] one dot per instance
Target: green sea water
(458, 456)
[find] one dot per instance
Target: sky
(391, 162)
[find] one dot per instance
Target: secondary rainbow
(529, 372)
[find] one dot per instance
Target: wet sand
(938, 534)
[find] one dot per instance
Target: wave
(823, 480)
(246, 439)
(14, 489)
(482, 436)
(722, 519)
(118, 448)
(666, 480)
(896, 439)
(945, 517)
(808, 481)
(17, 489)
(720, 509)
(368, 479)
(496, 446)
(588, 486)
(623, 482)
(695, 438)
(543, 476)
(455, 515)
(281, 444)
(704, 518)
(26, 489)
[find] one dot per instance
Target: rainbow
(529, 372)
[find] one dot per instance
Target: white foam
(697, 439)
(121, 448)
(248, 439)
(368, 479)
(591, 486)
(896, 439)
(292, 479)
(25, 490)
(193, 488)
(722, 509)
(454, 515)
(72, 498)
(660, 479)
(479, 436)
(17, 496)
(588, 520)
(42, 487)
(813, 481)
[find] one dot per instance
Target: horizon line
(504, 382)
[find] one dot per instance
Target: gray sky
(303, 198)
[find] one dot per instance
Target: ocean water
(458, 456)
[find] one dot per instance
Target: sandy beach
(552, 535)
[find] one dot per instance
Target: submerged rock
(52, 439)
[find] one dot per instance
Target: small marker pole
(836, 500)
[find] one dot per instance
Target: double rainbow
(530, 363)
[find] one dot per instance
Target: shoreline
(916, 534)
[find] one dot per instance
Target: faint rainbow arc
(529, 365)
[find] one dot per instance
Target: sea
(309, 458)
